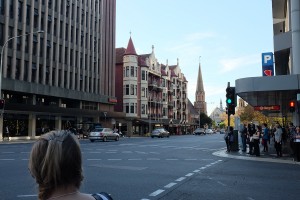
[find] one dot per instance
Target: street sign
(267, 64)
(261, 108)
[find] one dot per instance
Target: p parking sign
(267, 64)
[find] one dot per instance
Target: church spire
(200, 103)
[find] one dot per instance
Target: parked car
(209, 131)
(199, 131)
(160, 133)
(103, 134)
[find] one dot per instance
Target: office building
(63, 76)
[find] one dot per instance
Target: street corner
(285, 159)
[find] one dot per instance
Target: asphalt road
(179, 167)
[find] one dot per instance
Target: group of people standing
(254, 135)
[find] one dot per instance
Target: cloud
(231, 64)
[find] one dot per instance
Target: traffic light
(230, 100)
(292, 106)
(2, 103)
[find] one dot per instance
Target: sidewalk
(264, 156)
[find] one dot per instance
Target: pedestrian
(56, 164)
(256, 139)
(291, 133)
(278, 139)
(251, 131)
(297, 144)
(230, 137)
(7, 132)
(244, 137)
(265, 137)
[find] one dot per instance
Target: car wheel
(117, 138)
(92, 140)
(104, 139)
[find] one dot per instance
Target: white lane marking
(26, 195)
(170, 185)
(180, 179)
(113, 159)
(196, 171)
(221, 183)
(153, 158)
(189, 174)
(94, 159)
(6, 159)
(202, 167)
(157, 192)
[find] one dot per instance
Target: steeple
(200, 103)
(130, 48)
(200, 87)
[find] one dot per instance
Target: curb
(237, 155)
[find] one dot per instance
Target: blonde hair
(55, 161)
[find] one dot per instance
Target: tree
(204, 119)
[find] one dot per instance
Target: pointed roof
(130, 48)
(200, 87)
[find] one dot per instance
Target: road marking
(157, 192)
(6, 159)
(196, 171)
(202, 167)
(180, 179)
(170, 185)
(153, 158)
(221, 183)
(26, 195)
(94, 159)
(189, 174)
(113, 159)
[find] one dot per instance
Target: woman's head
(55, 162)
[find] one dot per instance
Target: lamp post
(5, 43)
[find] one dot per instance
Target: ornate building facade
(152, 94)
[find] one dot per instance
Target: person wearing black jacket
(251, 131)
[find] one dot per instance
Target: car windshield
(97, 130)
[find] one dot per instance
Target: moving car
(209, 131)
(199, 131)
(160, 133)
(103, 134)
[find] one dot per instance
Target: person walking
(55, 163)
(251, 132)
(296, 145)
(292, 131)
(256, 139)
(265, 137)
(244, 137)
(278, 139)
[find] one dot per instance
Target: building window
(132, 71)
(131, 89)
(143, 92)
(143, 110)
(127, 71)
(143, 75)
(126, 90)
(20, 13)
(11, 9)
(131, 107)
(28, 15)
(127, 108)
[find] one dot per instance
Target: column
(295, 26)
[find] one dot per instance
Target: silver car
(103, 134)
(160, 133)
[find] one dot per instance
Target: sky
(226, 37)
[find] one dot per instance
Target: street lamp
(5, 43)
